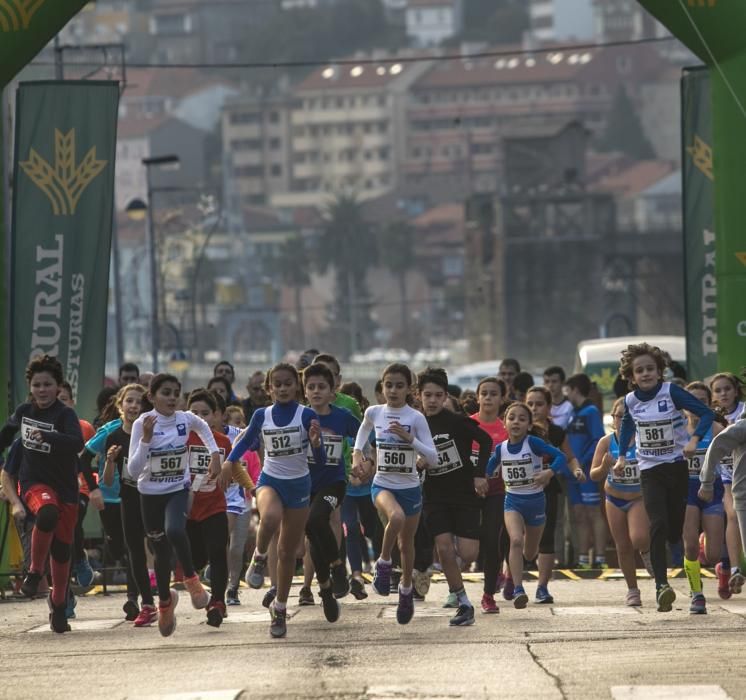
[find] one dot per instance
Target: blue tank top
(697, 460)
(629, 482)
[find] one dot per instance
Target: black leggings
(546, 544)
(324, 548)
(78, 551)
(209, 542)
(423, 547)
(664, 490)
(165, 517)
(134, 538)
(492, 543)
(111, 520)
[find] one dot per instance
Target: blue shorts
(410, 500)
(726, 474)
(621, 503)
(715, 506)
(533, 507)
(235, 502)
(585, 494)
(294, 493)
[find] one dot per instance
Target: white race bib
(630, 476)
(695, 462)
(655, 435)
(199, 462)
(283, 442)
(167, 466)
(395, 458)
(333, 446)
(449, 459)
(518, 472)
(28, 425)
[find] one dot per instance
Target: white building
(562, 20)
(430, 22)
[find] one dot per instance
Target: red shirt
(88, 432)
(208, 498)
(498, 433)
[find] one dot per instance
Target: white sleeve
(363, 433)
(199, 426)
(138, 450)
(423, 439)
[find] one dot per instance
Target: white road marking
(595, 610)
(401, 692)
(668, 692)
(82, 626)
(421, 612)
(254, 616)
(231, 694)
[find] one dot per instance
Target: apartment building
(561, 20)
(429, 22)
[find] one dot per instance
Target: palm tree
(398, 237)
(290, 267)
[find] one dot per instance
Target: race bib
(655, 435)
(726, 468)
(518, 472)
(126, 478)
(449, 459)
(283, 442)
(474, 458)
(395, 458)
(167, 466)
(630, 476)
(333, 447)
(28, 425)
(695, 462)
(199, 463)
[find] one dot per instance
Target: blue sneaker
(405, 609)
(520, 599)
(382, 578)
(70, 606)
(543, 595)
(83, 572)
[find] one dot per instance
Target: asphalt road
(586, 645)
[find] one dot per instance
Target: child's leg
(516, 533)
(406, 548)
(389, 509)
(291, 534)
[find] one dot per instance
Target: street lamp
(156, 161)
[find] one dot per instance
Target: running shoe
(256, 571)
(451, 601)
(340, 583)
(167, 615)
(543, 596)
(702, 557)
(508, 588)
(215, 613)
(231, 597)
(395, 580)
(463, 618)
(305, 597)
(736, 582)
(489, 606)
(723, 581)
(500, 582)
(279, 625)
(148, 615)
(71, 603)
(382, 578)
(30, 585)
(520, 598)
(405, 608)
(665, 598)
(83, 572)
(421, 581)
(197, 593)
(58, 617)
(417, 596)
(130, 610)
(698, 606)
(633, 599)
(330, 604)
(357, 588)
(648, 563)
(269, 596)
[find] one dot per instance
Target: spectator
(129, 373)
(257, 395)
(225, 370)
(509, 369)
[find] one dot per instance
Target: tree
(291, 268)
(347, 245)
(398, 239)
(624, 130)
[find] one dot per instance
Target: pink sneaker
(167, 615)
(197, 593)
(148, 615)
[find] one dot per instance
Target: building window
(274, 144)
(274, 117)
(244, 118)
(276, 170)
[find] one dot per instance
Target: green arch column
(714, 31)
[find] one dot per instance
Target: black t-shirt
(122, 439)
(53, 461)
(452, 481)
(555, 437)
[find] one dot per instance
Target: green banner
(61, 238)
(699, 225)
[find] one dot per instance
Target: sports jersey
(161, 466)
(53, 460)
(396, 458)
(584, 430)
(208, 498)
(121, 438)
(452, 480)
(283, 428)
(335, 427)
(629, 482)
(657, 418)
(496, 430)
(97, 446)
(349, 403)
(521, 462)
(88, 432)
(561, 413)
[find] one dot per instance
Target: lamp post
(155, 334)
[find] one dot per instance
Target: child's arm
(721, 446)
(601, 460)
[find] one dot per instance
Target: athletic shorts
(460, 520)
(234, 500)
(410, 500)
(39, 495)
(294, 493)
(726, 473)
(531, 507)
(622, 503)
(585, 494)
(715, 506)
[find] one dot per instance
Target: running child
(158, 460)
(654, 413)
(401, 434)
(283, 492)
(625, 509)
(520, 460)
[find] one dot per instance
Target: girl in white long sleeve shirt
(401, 435)
(157, 460)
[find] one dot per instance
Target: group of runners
(418, 476)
